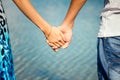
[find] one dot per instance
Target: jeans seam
(104, 44)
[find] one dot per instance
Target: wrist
(67, 25)
(47, 31)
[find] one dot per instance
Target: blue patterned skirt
(6, 61)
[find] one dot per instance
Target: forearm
(74, 9)
(26, 7)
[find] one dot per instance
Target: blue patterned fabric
(6, 62)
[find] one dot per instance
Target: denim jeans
(108, 58)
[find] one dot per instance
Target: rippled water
(34, 59)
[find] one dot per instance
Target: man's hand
(67, 35)
(55, 39)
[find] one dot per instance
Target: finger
(55, 50)
(54, 47)
(57, 45)
(60, 43)
(63, 38)
(65, 45)
(51, 44)
(47, 41)
(54, 44)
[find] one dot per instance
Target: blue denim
(108, 58)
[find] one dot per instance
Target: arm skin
(73, 10)
(26, 7)
(67, 25)
(55, 36)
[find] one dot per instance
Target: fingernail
(63, 47)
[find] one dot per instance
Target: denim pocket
(113, 53)
(113, 44)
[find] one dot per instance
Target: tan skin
(68, 23)
(55, 37)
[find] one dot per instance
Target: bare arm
(74, 9)
(26, 7)
(53, 35)
(68, 23)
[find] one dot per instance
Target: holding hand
(60, 37)
(55, 39)
(67, 25)
(67, 32)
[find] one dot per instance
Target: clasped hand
(59, 38)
